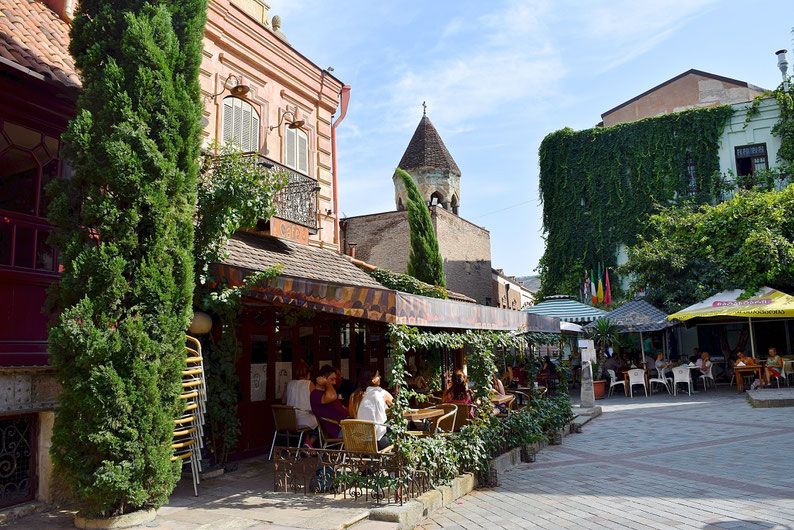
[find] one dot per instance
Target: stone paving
(705, 461)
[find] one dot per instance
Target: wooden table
(741, 371)
(422, 414)
(500, 400)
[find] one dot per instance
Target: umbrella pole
(642, 347)
(752, 337)
(666, 338)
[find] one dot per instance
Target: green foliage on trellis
(125, 238)
(407, 284)
(600, 185)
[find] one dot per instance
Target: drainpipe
(344, 100)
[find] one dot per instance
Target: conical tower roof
(426, 149)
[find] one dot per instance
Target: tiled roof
(255, 252)
(426, 149)
(34, 37)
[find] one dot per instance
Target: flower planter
(600, 389)
(128, 520)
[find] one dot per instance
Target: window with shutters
(240, 124)
(296, 150)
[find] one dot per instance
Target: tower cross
(424, 108)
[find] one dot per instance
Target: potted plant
(604, 334)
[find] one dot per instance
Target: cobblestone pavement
(705, 461)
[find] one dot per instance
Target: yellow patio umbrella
(766, 303)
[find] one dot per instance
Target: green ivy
(784, 128)
(600, 185)
(407, 284)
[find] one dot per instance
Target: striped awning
(566, 309)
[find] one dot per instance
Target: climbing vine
(598, 186)
(407, 284)
(783, 129)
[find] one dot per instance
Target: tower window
(436, 198)
(240, 124)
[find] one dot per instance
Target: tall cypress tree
(424, 262)
(126, 239)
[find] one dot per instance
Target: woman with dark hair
(370, 402)
(458, 391)
(325, 403)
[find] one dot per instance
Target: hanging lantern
(201, 323)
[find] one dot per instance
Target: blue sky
(500, 75)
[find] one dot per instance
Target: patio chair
(462, 415)
(359, 437)
(613, 381)
(285, 422)
(446, 423)
(326, 441)
(660, 379)
(681, 376)
(708, 375)
(637, 377)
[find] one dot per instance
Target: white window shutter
(238, 122)
(228, 129)
(290, 147)
(254, 132)
(303, 152)
(245, 137)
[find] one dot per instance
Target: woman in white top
(370, 402)
(297, 394)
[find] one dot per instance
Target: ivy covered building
(691, 138)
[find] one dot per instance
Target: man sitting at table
(704, 365)
(663, 367)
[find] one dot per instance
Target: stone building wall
(384, 240)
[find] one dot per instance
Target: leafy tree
(692, 253)
(424, 263)
(126, 239)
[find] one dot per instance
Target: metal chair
(359, 437)
(461, 415)
(637, 377)
(326, 441)
(285, 422)
(613, 381)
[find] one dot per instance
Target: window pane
(44, 252)
(6, 231)
(23, 253)
(18, 176)
(48, 172)
(22, 136)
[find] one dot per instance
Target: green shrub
(125, 239)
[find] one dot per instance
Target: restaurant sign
(286, 230)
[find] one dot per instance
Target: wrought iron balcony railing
(297, 201)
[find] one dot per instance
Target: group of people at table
(700, 365)
(331, 398)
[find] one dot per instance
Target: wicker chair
(359, 437)
(285, 421)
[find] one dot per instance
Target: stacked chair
(189, 428)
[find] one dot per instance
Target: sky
(498, 76)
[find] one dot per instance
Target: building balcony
(297, 202)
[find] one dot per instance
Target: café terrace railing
(297, 201)
(377, 477)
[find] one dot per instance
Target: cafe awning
(766, 303)
(323, 280)
(637, 316)
(567, 309)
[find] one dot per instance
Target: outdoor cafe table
(422, 414)
(741, 371)
(499, 400)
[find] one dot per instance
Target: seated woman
(325, 402)
(774, 366)
(298, 394)
(458, 392)
(548, 372)
(416, 381)
(370, 402)
(498, 388)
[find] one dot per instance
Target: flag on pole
(600, 292)
(608, 293)
(586, 286)
(593, 295)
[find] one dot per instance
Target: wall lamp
(294, 123)
(238, 90)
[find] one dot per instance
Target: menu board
(259, 382)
